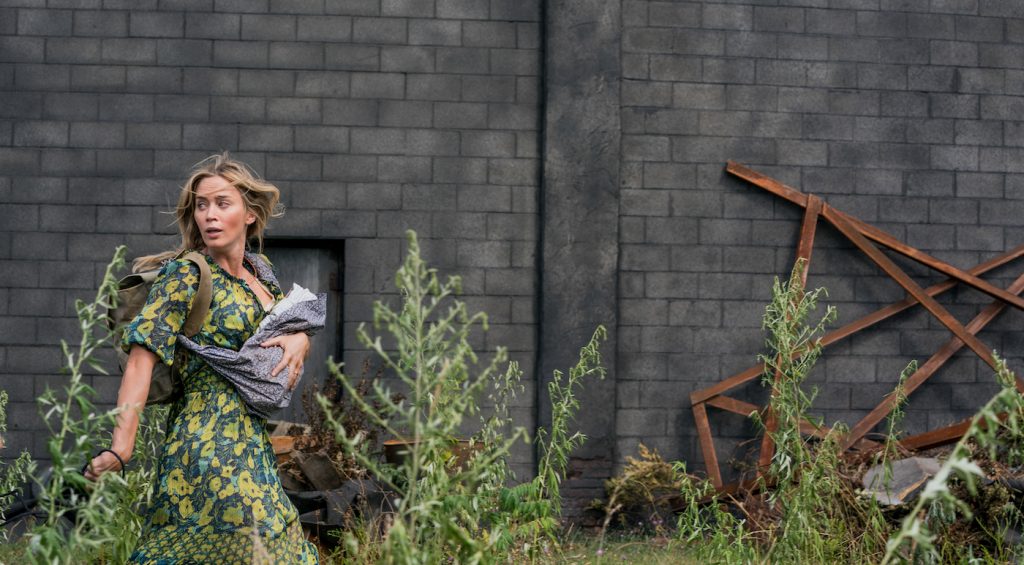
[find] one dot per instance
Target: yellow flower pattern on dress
(218, 476)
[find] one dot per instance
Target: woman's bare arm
(131, 399)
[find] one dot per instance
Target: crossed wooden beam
(864, 237)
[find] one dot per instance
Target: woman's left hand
(296, 348)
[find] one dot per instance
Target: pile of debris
(329, 491)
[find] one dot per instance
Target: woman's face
(221, 215)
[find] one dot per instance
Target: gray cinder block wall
(903, 113)
(373, 116)
(484, 124)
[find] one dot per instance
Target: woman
(219, 498)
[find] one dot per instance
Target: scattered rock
(906, 479)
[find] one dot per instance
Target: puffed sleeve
(157, 326)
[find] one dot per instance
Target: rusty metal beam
(926, 370)
(707, 445)
(875, 234)
(904, 280)
(857, 325)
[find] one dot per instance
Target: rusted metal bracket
(864, 237)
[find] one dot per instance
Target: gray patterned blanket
(248, 369)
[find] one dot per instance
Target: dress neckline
(247, 262)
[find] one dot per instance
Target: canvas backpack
(132, 293)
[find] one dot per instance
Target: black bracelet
(112, 452)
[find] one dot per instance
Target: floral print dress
(219, 499)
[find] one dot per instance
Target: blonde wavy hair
(261, 198)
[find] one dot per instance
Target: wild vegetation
(453, 495)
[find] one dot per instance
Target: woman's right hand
(103, 463)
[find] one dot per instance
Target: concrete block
(215, 137)
(904, 104)
(732, 71)
(434, 87)
(890, 77)
(44, 22)
(404, 169)
(42, 77)
(979, 185)
(489, 89)
(466, 60)
(285, 55)
(377, 196)
(296, 6)
(294, 166)
(268, 27)
(397, 113)
(407, 8)
(294, 110)
(516, 10)
(778, 19)
(488, 144)
(949, 157)
(832, 74)
(237, 109)
(489, 34)
(213, 26)
(931, 26)
(350, 112)
(41, 134)
(803, 47)
(751, 44)
(483, 198)
(386, 31)
(463, 9)
(154, 79)
(460, 115)
(124, 162)
(210, 81)
(435, 32)
(148, 24)
(644, 203)
(969, 28)
(689, 42)
(831, 22)
(185, 52)
(957, 53)
(320, 84)
(324, 28)
(378, 85)
(791, 73)
(97, 134)
(654, 40)
(719, 17)
(666, 285)
(321, 139)
(407, 59)
(129, 51)
(512, 116)
(21, 49)
(242, 54)
(153, 136)
(265, 138)
(353, 7)
(882, 24)
(185, 107)
(1000, 55)
(73, 50)
(512, 282)
(346, 223)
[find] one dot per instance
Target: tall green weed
(449, 507)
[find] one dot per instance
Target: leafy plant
(1000, 418)
(450, 506)
(794, 347)
(84, 521)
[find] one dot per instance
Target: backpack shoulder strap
(201, 302)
